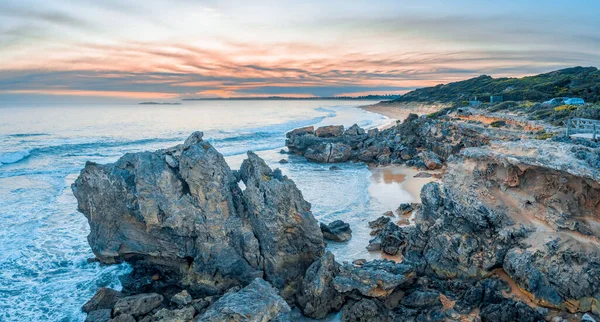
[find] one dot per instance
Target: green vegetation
(565, 108)
(583, 82)
(544, 136)
(498, 123)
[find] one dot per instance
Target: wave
(71, 149)
(23, 135)
(332, 113)
(258, 139)
(14, 157)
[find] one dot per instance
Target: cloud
(199, 48)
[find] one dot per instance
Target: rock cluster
(510, 216)
(418, 141)
(530, 209)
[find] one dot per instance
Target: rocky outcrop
(137, 305)
(422, 142)
(377, 278)
(318, 296)
(337, 230)
(530, 208)
(256, 302)
(330, 131)
(178, 215)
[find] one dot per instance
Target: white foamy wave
(13, 157)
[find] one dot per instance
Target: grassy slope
(581, 82)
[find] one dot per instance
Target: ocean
(44, 272)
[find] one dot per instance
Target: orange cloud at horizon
(93, 93)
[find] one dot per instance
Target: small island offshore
(508, 230)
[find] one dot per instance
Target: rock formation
(337, 230)
(512, 233)
(179, 216)
(529, 208)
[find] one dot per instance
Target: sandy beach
(400, 111)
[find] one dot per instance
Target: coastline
(400, 111)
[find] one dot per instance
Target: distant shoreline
(400, 111)
(158, 103)
(277, 98)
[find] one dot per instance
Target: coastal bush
(565, 108)
(581, 82)
(498, 123)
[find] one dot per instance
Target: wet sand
(393, 185)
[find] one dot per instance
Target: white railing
(584, 127)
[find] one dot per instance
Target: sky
(167, 50)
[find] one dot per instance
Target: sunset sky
(166, 50)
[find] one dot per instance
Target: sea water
(44, 272)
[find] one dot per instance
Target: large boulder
(257, 302)
(329, 153)
(301, 131)
(318, 296)
(337, 230)
(179, 214)
(377, 278)
(289, 236)
(366, 310)
(139, 304)
(330, 131)
(105, 298)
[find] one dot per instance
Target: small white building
(574, 101)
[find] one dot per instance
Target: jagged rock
(359, 262)
(258, 301)
(318, 296)
(374, 244)
(105, 298)
(377, 278)
(523, 207)
(182, 298)
(431, 160)
(301, 131)
(138, 304)
(184, 314)
(389, 213)
(283, 161)
(378, 224)
(354, 130)
(366, 310)
(330, 131)
(192, 225)
(339, 153)
(508, 311)
(288, 234)
(123, 318)
(101, 315)
(405, 209)
(392, 239)
(329, 153)
(422, 299)
(337, 231)
(334, 168)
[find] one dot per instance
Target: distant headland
(364, 97)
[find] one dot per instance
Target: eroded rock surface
(179, 216)
(256, 302)
(337, 230)
(530, 208)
